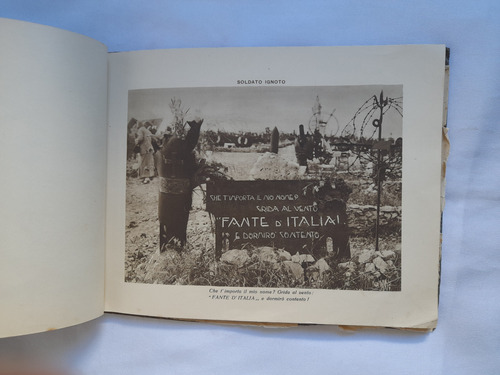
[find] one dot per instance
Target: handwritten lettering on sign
(284, 214)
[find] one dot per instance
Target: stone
(380, 264)
(347, 265)
(266, 254)
(388, 254)
(365, 256)
(301, 258)
(283, 255)
(370, 268)
(235, 257)
(322, 266)
(294, 269)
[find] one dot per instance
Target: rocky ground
(264, 266)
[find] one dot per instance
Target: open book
(261, 185)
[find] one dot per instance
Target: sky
(253, 108)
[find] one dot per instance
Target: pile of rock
(372, 265)
(296, 266)
(371, 262)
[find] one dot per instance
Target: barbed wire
(354, 129)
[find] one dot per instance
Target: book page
(282, 185)
(53, 97)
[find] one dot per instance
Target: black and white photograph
(250, 187)
(265, 185)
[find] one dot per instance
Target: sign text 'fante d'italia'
(284, 214)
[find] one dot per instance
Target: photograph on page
(265, 186)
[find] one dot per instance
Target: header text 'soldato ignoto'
(261, 82)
